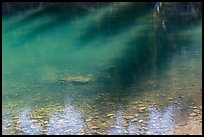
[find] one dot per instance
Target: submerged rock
(78, 79)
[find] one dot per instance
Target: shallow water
(144, 79)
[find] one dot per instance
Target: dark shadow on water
(153, 52)
(114, 22)
(29, 18)
(59, 18)
(140, 59)
(147, 57)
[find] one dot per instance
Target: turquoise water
(144, 79)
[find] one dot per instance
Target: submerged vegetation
(102, 68)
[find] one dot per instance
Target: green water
(144, 79)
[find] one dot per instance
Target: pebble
(182, 124)
(95, 127)
(134, 120)
(170, 98)
(110, 115)
(135, 115)
(141, 105)
(17, 128)
(181, 96)
(145, 128)
(115, 127)
(89, 119)
(196, 110)
(148, 133)
(104, 124)
(34, 120)
(45, 122)
(142, 109)
(39, 117)
(128, 117)
(193, 114)
(140, 121)
(190, 118)
(153, 103)
(9, 125)
(99, 133)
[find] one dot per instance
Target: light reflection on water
(26, 125)
(68, 122)
(71, 121)
(132, 129)
(162, 122)
(119, 128)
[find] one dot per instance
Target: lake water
(142, 78)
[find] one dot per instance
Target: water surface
(144, 79)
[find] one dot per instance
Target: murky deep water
(144, 79)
